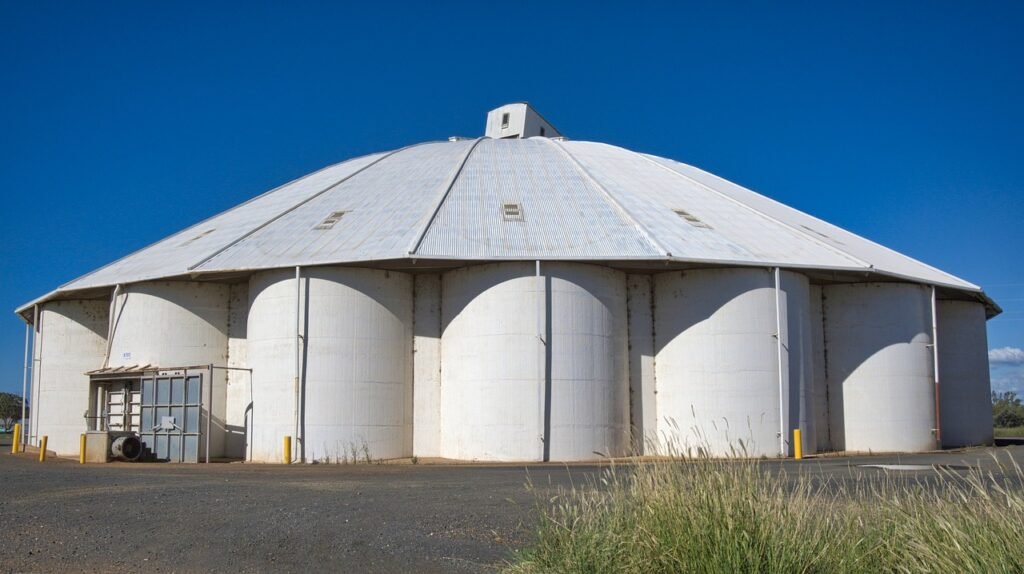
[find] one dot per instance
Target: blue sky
(121, 123)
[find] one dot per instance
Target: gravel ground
(60, 516)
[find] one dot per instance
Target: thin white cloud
(1008, 379)
(1006, 356)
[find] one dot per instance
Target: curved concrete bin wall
(524, 357)
(880, 367)
(357, 363)
(964, 386)
(717, 362)
(72, 341)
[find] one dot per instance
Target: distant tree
(10, 410)
(1007, 410)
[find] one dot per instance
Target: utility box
(97, 446)
(104, 446)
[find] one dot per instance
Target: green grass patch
(709, 516)
(1010, 432)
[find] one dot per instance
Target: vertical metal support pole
(209, 412)
(37, 358)
(24, 381)
(298, 348)
(935, 367)
(783, 423)
(541, 354)
(42, 449)
(81, 449)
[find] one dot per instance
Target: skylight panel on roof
(691, 218)
(512, 212)
(330, 220)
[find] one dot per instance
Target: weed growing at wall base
(702, 515)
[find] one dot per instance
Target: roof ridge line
(757, 211)
(418, 241)
(610, 198)
(263, 225)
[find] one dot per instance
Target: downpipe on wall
(778, 345)
(298, 356)
(24, 382)
(935, 369)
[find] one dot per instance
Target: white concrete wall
(523, 122)
(798, 360)
(426, 427)
(497, 371)
(880, 367)
(717, 362)
(239, 389)
(964, 385)
(72, 340)
(357, 363)
(642, 391)
(589, 361)
(171, 324)
(819, 386)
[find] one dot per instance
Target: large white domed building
(516, 297)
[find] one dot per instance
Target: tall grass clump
(701, 515)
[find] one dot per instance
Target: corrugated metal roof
(562, 214)
(447, 200)
(176, 254)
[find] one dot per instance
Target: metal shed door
(171, 413)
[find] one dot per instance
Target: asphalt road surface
(59, 516)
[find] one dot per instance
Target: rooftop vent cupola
(515, 121)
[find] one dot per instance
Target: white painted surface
(239, 389)
(357, 363)
(717, 359)
(589, 361)
(74, 335)
(523, 122)
(798, 361)
(880, 367)
(965, 389)
(819, 385)
(495, 365)
(426, 427)
(643, 414)
(170, 324)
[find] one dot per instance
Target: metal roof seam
(610, 198)
(249, 233)
(840, 252)
(418, 240)
(862, 238)
(206, 220)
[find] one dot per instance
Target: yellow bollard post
(287, 450)
(81, 449)
(798, 445)
(42, 449)
(17, 439)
